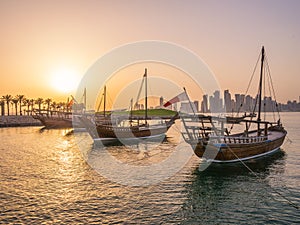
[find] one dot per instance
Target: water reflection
(143, 163)
(45, 180)
(231, 193)
(62, 131)
(260, 166)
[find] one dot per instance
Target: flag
(70, 103)
(181, 97)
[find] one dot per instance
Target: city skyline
(217, 101)
(242, 103)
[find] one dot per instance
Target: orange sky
(40, 39)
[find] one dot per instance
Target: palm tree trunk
(2, 108)
(7, 104)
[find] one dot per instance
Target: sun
(65, 80)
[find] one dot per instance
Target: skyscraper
(204, 104)
(227, 101)
(196, 104)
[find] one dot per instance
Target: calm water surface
(44, 179)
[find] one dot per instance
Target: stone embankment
(18, 121)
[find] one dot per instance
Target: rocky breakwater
(18, 121)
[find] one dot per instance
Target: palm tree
(2, 104)
(27, 103)
(15, 101)
(8, 99)
(62, 106)
(32, 105)
(20, 98)
(48, 102)
(54, 106)
(39, 102)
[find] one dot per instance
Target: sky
(48, 46)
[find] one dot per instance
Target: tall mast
(131, 108)
(104, 105)
(84, 98)
(260, 87)
(146, 96)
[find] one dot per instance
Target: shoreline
(18, 121)
(27, 121)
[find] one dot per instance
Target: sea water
(45, 178)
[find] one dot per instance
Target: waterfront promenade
(18, 121)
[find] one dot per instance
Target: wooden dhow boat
(54, 119)
(66, 118)
(213, 142)
(128, 128)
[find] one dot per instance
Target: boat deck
(242, 139)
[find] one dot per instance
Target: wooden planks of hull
(239, 151)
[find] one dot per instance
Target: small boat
(57, 119)
(128, 128)
(54, 119)
(213, 142)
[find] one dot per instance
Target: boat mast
(146, 98)
(84, 98)
(104, 105)
(131, 108)
(260, 89)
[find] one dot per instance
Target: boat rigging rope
(109, 102)
(264, 98)
(273, 91)
(248, 87)
(269, 80)
(273, 189)
(252, 74)
(287, 141)
(139, 93)
(151, 94)
(269, 86)
(100, 104)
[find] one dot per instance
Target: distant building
(233, 105)
(243, 103)
(187, 107)
(215, 102)
(268, 104)
(204, 104)
(238, 102)
(249, 103)
(227, 101)
(196, 104)
(161, 101)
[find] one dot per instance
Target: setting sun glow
(65, 80)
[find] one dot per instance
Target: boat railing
(237, 140)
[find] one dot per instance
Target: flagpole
(104, 105)
(189, 101)
(146, 97)
(193, 109)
